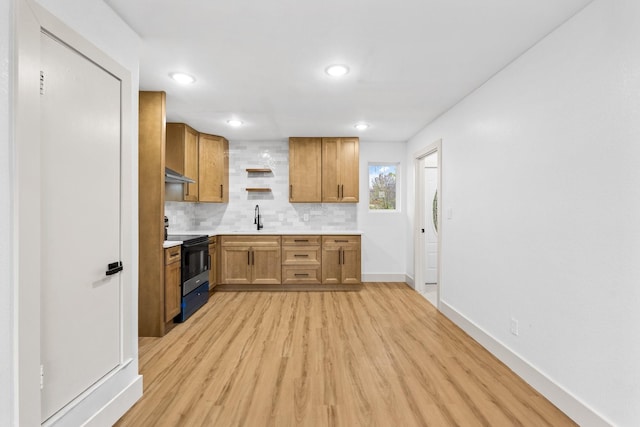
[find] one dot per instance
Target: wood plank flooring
(381, 356)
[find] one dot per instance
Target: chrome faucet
(256, 218)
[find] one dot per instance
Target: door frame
(30, 20)
(418, 248)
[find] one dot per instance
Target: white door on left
(80, 202)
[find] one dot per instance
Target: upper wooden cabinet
(305, 170)
(213, 168)
(340, 170)
(324, 170)
(182, 156)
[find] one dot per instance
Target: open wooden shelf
(259, 170)
(259, 190)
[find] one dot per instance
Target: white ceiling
(263, 61)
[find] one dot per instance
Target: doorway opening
(428, 230)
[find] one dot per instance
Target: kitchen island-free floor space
(381, 356)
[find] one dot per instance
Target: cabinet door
(305, 170)
(172, 294)
(213, 169)
(330, 170)
(182, 156)
(350, 271)
(213, 264)
(266, 265)
(235, 265)
(348, 169)
(331, 265)
(191, 164)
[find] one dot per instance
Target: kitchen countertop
(247, 232)
(171, 243)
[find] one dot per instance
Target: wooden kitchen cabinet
(340, 170)
(250, 259)
(301, 260)
(305, 170)
(182, 157)
(213, 168)
(213, 262)
(172, 281)
(341, 260)
(151, 262)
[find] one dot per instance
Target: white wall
(6, 204)
(384, 237)
(541, 168)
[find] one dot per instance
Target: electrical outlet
(280, 217)
(449, 213)
(514, 327)
(305, 217)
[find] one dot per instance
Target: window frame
(397, 167)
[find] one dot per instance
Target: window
(383, 186)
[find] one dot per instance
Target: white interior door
(431, 232)
(80, 200)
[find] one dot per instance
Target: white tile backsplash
(276, 211)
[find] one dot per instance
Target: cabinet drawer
(250, 240)
(292, 275)
(300, 240)
(172, 255)
(301, 255)
(340, 240)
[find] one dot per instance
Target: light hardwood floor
(382, 356)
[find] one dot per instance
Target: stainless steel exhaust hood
(174, 177)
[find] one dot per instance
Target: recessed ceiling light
(337, 70)
(361, 126)
(183, 78)
(234, 123)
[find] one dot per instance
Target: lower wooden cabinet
(288, 260)
(213, 262)
(172, 294)
(301, 260)
(341, 260)
(247, 260)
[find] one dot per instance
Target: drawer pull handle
(301, 255)
(301, 240)
(341, 241)
(302, 274)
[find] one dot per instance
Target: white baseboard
(565, 401)
(409, 280)
(103, 403)
(118, 406)
(383, 277)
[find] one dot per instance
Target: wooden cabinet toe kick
(289, 288)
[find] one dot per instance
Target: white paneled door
(430, 188)
(80, 202)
